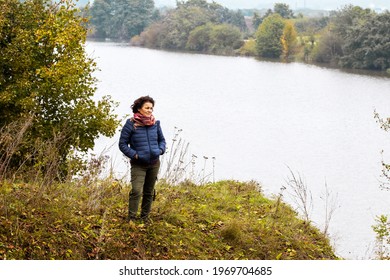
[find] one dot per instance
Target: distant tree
(268, 13)
(178, 24)
(367, 45)
(151, 37)
(268, 37)
(216, 39)
(310, 25)
(248, 48)
(225, 39)
(237, 19)
(187, 26)
(289, 40)
(192, 3)
(100, 13)
(329, 50)
(47, 77)
(121, 19)
(256, 20)
(283, 10)
(343, 20)
(356, 38)
(200, 38)
(218, 13)
(221, 15)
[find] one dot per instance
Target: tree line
(351, 37)
(194, 25)
(356, 38)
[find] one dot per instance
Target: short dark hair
(139, 102)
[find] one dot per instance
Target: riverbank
(250, 54)
(86, 220)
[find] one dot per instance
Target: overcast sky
(312, 4)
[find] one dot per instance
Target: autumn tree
(47, 78)
(289, 40)
(268, 37)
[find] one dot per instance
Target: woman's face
(146, 109)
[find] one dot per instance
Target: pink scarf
(141, 120)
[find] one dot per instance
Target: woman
(142, 141)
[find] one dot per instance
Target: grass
(225, 220)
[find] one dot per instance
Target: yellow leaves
(291, 253)
(288, 39)
(87, 227)
(69, 253)
(47, 72)
(7, 190)
(249, 48)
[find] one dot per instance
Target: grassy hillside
(86, 220)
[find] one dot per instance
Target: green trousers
(143, 179)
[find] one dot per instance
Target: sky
(294, 4)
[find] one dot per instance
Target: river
(259, 120)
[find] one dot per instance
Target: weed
(177, 166)
(303, 199)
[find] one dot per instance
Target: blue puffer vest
(147, 142)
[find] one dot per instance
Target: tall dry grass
(179, 165)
